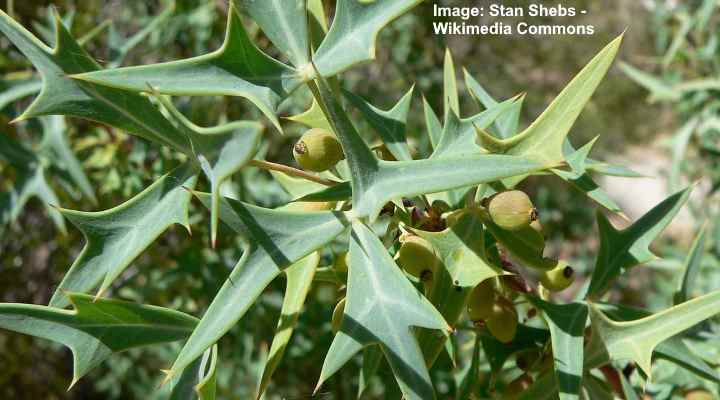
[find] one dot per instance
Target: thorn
(74, 381)
(17, 119)
(168, 376)
(317, 387)
(213, 239)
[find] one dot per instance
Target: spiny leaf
(299, 279)
(115, 237)
(623, 249)
(198, 381)
(692, 265)
(96, 328)
(372, 356)
(636, 340)
(19, 90)
(432, 124)
(390, 124)
(284, 22)
(237, 68)
(579, 178)
(274, 239)
(61, 95)
(544, 138)
(507, 123)
(375, 182)
(385, 317)
(567, 325)
(351, 39)
(451, 101)
(207, 386)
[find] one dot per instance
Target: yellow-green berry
(503, 320)
(558, 278)
(337, 316)
(512, 210)
(317, 150)
(417, 257)
(481, 300)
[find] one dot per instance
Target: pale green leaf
(274, 239)
(636, 340)
(451, 101)
(351, 39)
(313, 117)
(372, 356)
(692, 265)
(623, 249)
(432, 124)
(381, 307)
(115, 237)
(390, 124)
(96, 328)
(567, 326)
(237, 68)
(299, 279)
(506, 124)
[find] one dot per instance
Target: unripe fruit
(699, 394)
(503, 320)
(558, 278)
(317, 150)
(512, 210)
(417, 257)
(340, 264)
(481, 300)
(337, 316)
(514, 389)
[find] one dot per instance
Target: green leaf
(372, 356)
(692, 265)
(284, 22)
(198, 381)
(351, 39)
(623, 249)
(507, 123)
(579, 178)
(237, 68)
(299, 279)
(451, 102)
(659, 89)
(207, 386)
(339, 192)
(115, 237)
(19, 90)
(312, 118)
(385, 317)
(567, 325)
(432, 124)
(636, 340)
(60, 95)
(543, 139)
(674, 349)
(274, 239)
(390, 124)
(376, 182)
(96, 328)
(471, 380)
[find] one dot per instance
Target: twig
(292, 171)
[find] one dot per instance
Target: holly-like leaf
(692, 265)
(18, 90)
(543, 139)
(390, 124)
(375, 182)
(351, 39)
(567, 325)
(451, 100)
(274, 239)
(299, 279)
(636, 340)
(313, 117)
(507, 124)
(623, 249)
(198, 381)
(384, 318)
(96, 328)
(372, 356)
(237, 68)
(115, 237)
(432, 124)
(579, 178)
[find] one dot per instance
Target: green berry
(558, 278)
(503, 320)
(481, 300)
(417, 257)
(337, 316)
(514, 389)
(317, 150)
(512, 210)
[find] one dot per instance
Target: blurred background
(647, 118)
